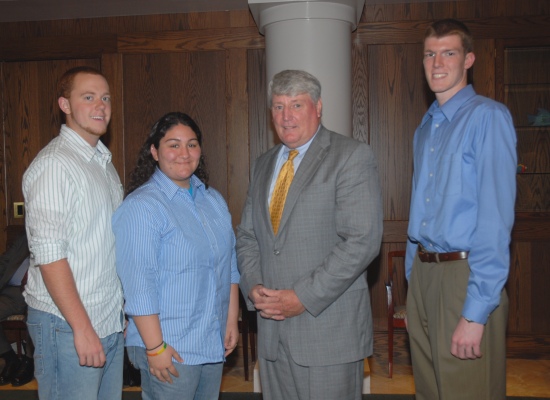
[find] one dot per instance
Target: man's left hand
(287, 305)
(466, 340)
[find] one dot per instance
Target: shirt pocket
(449, 176)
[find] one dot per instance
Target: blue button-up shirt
(175, 253)
(464, 189)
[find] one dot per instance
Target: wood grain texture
(495, 27)
(32, 117)
(237, 131)
(201, 40)
(533, 193)
(61, 47)
(193, 83)
(260, 129)
(398, 98)
(138, 23)
(534, 149)
(111, 67)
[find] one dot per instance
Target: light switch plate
(18, 209)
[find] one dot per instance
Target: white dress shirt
(71, 191)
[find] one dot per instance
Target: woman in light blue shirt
(175, 250)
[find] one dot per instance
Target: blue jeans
(195, 382)
(56, 364)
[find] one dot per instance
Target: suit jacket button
(276, 252)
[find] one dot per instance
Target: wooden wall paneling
(121, 24)
(193, 83)
(146, 92)
(360, 96)
(527, 284)
(197, 40)
(463, 9)
(531, 227)
(3, 188)
(528, 346)
(240, 18)
(260, 130)
(33, 117)
(397, 99)
(533, 193)
(483, 71)
(397, 102)
(60, 47)
(534, 149)
(395, 231)
(531, 64)
(524, 100)
(540, 295)
(524, 28)
(237, 131)
(111, 67)
(519, 288)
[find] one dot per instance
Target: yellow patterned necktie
(280, 191)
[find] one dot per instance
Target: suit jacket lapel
(308, 167)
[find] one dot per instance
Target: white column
(314, 36)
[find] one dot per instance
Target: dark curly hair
(146, 164)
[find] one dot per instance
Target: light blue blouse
(175, 253)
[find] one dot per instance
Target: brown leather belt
(428, 257)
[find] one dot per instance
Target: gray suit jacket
(330, 231)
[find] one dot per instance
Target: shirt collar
(170, 189)
(83, 147)
(450, 108)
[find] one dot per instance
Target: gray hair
(292, 83)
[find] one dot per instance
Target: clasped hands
(276, 304)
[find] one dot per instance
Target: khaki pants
(435, 299)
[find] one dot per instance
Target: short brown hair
(65, 83)
(447, 27)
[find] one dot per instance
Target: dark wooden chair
(396, 313)
(15, 326)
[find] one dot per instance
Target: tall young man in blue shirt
(461, 217)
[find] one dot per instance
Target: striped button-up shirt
(71, 190)
(176, 258)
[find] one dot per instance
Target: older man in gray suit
(306, 273)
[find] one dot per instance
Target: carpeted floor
(32, 395)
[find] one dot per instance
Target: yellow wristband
(158, 352)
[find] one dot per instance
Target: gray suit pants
(283, 379)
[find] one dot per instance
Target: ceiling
(42, 10)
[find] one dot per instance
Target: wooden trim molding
(59, 47)
(191, 40)
(481, 28)
(531, 227)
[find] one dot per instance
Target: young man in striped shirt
(74, 296)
